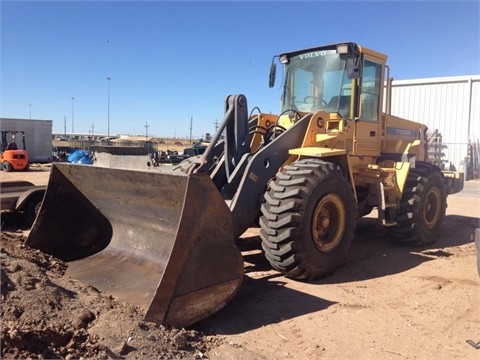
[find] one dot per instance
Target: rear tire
(308, 220)
(422, 208)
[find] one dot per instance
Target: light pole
(108, 111)
(30, 105)
(73, 129)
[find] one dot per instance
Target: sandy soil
(388, 302)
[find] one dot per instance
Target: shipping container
(38, 137)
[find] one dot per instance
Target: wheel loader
(166, 240)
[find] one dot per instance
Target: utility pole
(65, 127)
(146, 130)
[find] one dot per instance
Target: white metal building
(450, 105)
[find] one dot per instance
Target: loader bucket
(162, 241)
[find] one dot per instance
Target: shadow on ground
(260, 302)
(372, 255)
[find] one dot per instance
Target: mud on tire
(422, 207)
(308, 220)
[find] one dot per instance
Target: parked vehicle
(23, 197)
(12, 157)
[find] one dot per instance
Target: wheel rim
(431, 207)
(328, 223)
(37, 207)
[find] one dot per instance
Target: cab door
(368, 124)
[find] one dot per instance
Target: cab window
(370, 91)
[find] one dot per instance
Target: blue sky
(170, 62)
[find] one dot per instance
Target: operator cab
(342, 79)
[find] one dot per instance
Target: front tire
(308, 220)
(6, 166)
(422, 207)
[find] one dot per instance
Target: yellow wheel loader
(165, 240)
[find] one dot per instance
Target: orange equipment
(11, 157)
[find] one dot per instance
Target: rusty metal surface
(161, 241)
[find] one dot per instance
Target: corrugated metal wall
(450, 105)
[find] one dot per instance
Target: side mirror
(273, 74)
(353, 57)
(354, 67)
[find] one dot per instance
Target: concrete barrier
(117, 157)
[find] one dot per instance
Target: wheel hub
(431, 208)
(328, 223)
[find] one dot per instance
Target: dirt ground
(388, 302)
